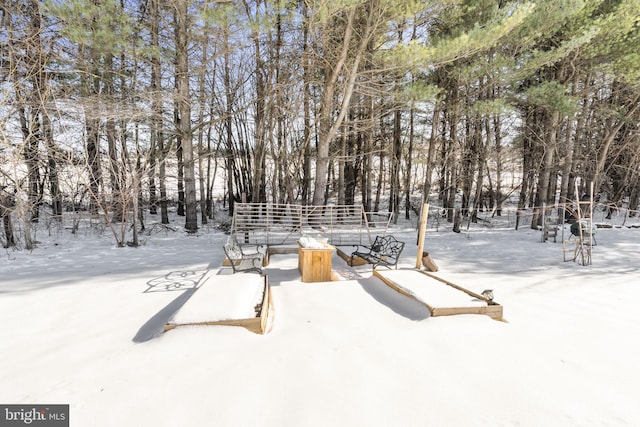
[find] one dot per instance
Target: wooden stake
(423, 227)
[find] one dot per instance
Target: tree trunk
(157, 150)
(116, 170)
(201, 129)
(7, 203)
(527, 166)
(307, 75)
(497, 132)
(433, 139)
(396, 157)
(481, 159)
(609, 137)
(260, 134)
(547, 173)
(53, 156)
(342, 166)
(409, 170)
(29, 123)
(228, 124)
(328, 126)
(183, 104)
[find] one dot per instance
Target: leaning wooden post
(423, 227)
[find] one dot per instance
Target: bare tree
(182, 101)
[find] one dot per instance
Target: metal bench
(241, 260)
(385, 251)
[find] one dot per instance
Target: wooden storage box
(315, 263)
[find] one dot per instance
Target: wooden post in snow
(423, 227)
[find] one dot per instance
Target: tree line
(120, 106)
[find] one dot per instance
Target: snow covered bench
(385, 250)
(243, 260)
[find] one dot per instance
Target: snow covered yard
(79, 326)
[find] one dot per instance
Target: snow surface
(222, 297)
(431, 291)
(81, 322)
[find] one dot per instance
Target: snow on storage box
(442, 297)
(236, 300)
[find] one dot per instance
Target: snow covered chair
(243, 260)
